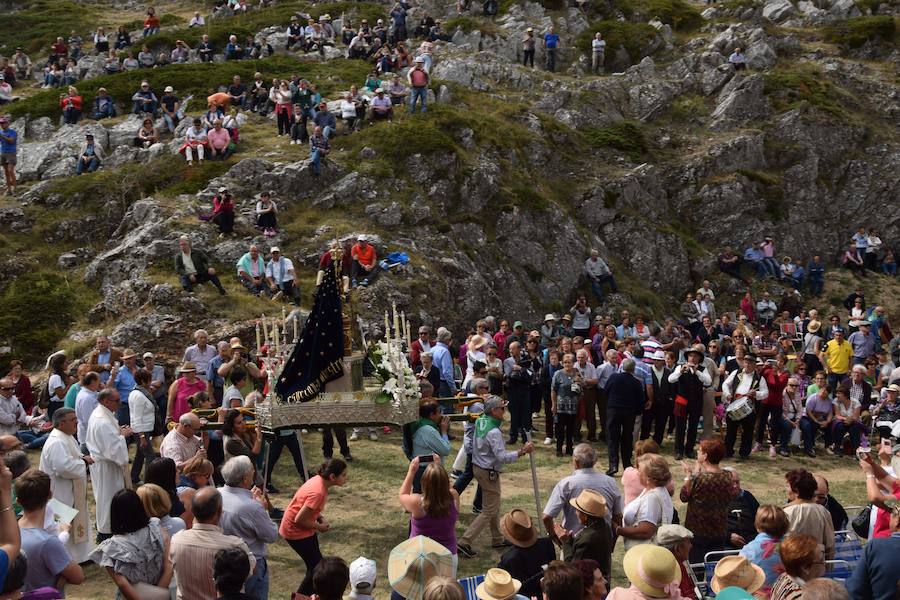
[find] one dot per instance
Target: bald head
(821, 489)
(207, 505)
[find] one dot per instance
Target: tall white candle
(387, 326)
(276, 336)
(258, 344)
(265, 330)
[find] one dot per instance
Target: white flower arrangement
(398, 382)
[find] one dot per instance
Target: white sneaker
(373, 436)
(304, 431)
(534, 415)
(548, 441)
(354, 437)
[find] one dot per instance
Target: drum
(739, 409)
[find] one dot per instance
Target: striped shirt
(192, 552)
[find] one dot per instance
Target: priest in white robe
(62, 460)
(106, 443)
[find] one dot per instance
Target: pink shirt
(218, 139)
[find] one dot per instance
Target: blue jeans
(108, 111)
(316, 158)
(257, 585)
(417, 92)
(889, 269)
(327, 131)
(786, 430)
(597, 285)
(150, 31)
(32, 441)
(141, 106)
(90, 167)
(840, 430)
(816, 285)
(809, 428)
(771, 266)
(834, 379)
(171, 122)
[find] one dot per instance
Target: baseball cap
(894, 388)
(148, 355)
(274, 249)
(838, 329)
(517, 324)
(223, 190)
(362, 574)
(169, 88)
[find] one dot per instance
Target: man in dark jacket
(193, 267)
(689, 379)
(529, 552)
(663, 399)
(741, 516)
(625, 400)
(875, 576)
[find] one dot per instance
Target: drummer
(742, 393)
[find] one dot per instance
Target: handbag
(861, 523)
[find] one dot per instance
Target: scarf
(422, 422)
(485, 423)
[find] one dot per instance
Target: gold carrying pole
(208, 413)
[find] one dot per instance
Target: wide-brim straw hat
(517, 527)
(129, 353)
(651, 569)
(739, 572)
(813, 326)
(413, 563)
(497, 585)
(591, 503)
(187, 367)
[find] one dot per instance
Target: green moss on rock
(853, 33)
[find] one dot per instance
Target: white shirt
(189, 268)
(195, 21)
(11, 414)
(142, 411)
(598, 45)
(279, 274)
(743, 386)
(85, 403)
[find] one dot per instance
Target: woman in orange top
(303, 521)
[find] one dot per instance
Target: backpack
(44, 397)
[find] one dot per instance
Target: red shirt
(882, 527)
(500, 340)
(776, 384)
(313, 494)
(418, 78)
(220, 204)
(70, 101)
(365, 256)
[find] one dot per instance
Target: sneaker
(476, 510)
(811, 453)
(757, 447)
(386, 429)
(534, 415)
(348, 458)
(830, 450)
(772, 452)
(373, 436)
(785, 453)
(547, 441)
(501, 544)
(466, 550)
(354, 437)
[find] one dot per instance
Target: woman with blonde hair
(443, 588)
(196, 473)
(764, 550)
(157, 504)
(652, 508)
(631, 478)
(433, 512)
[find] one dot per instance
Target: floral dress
(137, 556)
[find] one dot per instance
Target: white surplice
(61, 460)
(110, 453)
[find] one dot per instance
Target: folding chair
(469, 584)
(839, 570)
(697, 571)
(847, 549)
(710, 560)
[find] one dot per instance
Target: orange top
(313, 494)
(365, 257)
(219, 99)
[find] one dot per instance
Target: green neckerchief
(422, 422)
(485, 423)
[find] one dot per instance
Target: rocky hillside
(496, 193)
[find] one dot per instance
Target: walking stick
(534, 480)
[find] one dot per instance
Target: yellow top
(838, 357)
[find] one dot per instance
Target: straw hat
(129, 353)
(567, 317)
(549, 317)
(737, 571)
(517, 527)
(497, 585)
(413, 563)
(652, 569)
(477, 341)
(591, 503)
(187, 367)
(813, 326)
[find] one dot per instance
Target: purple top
(440, 529)
(819, 404)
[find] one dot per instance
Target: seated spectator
(282, 278)
(146, 59)
(123, 38)
(381, 107)
(889, 263)
(219, 100)
(70, 73)
(365, 263)
(397, 91)
(197, 20)
(5, 91)
(70, 102)
(358, 47)
(737, 571)
(325, 121)
(258, 94)
(223, 212)
(853, 260)
(90, 157)
(231, 122)
(233, 49)
(158, 504)
(846, 420)
(171, 108)
(146, 135)
(594, 541)
(205, 49)
(678, 540)
(786, 269)
(803, 561)
(104, 107)
(53, 76)
(112, 65)
(145, 101)
(220, 144)
(651, 570)
(237, 92)
(130, 63)
(194, 141)
(261, 49)
(331, 577)
(151, 23)
(266, 215)
(295, 33)
(838, 514)
(213, 114)
(162, 59)
(180, 53)
(49, 562)
(192, 267)
(738, 60)
(348, 113)
(251, 270)
(772, 525)
(319, 149)
(875, 576)
(22, 64)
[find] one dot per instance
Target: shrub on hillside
(634, 37)
(853, 33)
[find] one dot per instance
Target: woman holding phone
(434, 511)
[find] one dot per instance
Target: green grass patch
(634, 37)
(805, 85)
(761, 176)
(689, 106)
(867, 6)
(251, 22)
(198, 79)
(853, 33)
(626, 136)
(38, 26)
(47, 302)
(677, 13)
(470, 24)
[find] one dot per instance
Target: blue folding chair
(839, 570)
(710, 560)
(469, 584)
(847, 554)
